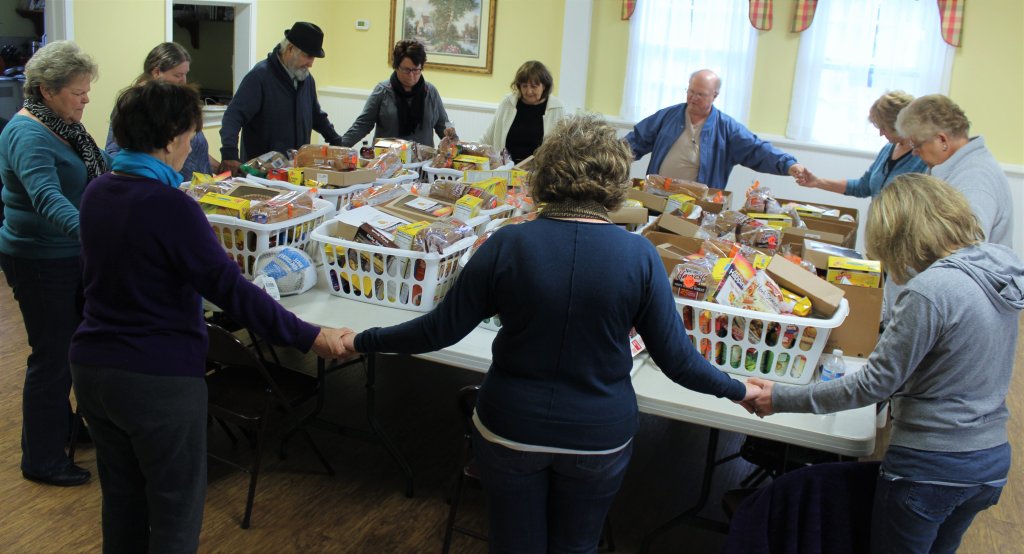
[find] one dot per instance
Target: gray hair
(54, 66)
(285, 43)
(717, 79)
(930, 115)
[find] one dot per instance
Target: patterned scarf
(568, 208)
(75, 134)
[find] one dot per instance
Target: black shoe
(70, 476)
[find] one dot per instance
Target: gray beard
(300, 74)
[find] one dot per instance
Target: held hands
(758, 400)
(802, 175)
(330, 344)
(349, 341)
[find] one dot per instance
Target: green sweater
(43, 180)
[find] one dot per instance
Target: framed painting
(458, 34)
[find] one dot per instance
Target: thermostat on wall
(362, 24)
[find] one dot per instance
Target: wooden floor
(363, 508)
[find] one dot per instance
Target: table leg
(375, 433)
(691, 516)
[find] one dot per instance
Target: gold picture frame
(466, 45)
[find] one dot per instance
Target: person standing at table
(694, 141)
(139, 356)
(945, 361)
(405, 106)
(556, 414)
(895, 158)
(46, 158)
(169, 61)
(276, 106)
(527, 114)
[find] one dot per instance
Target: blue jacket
(724, 143)
(567, 293)
(876, 177)
(272, 114)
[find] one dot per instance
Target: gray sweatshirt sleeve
(367, 120)
(910, 336)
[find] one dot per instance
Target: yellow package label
(402, 147)
(295, 175)
(761, 260)
(678, 201)
(405, 234)
(801, 304)
(776, 221)
(465, 161)
(852, 271)
(468, 207)
(720, 266)
(495, 185)
(222, 204)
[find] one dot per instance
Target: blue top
(272, 113)
(879, 175)
(43, 181)
(724, 143)
(568, 294)
(198, 160)
(148, 254)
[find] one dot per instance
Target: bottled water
(833, 366)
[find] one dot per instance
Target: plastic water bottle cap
(837, 352)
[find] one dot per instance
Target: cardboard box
(403, 148)
(776, 221)
(656, 203)
(858, 335)
(842, 209)
(677, 225)
(676, 247)
(465, 162)
(405, 234)
(629, 215)
(222, 204)
(405, 208)
(340, 178)
(796, 235)
(467, 207)
(253, 192)
(825, 297)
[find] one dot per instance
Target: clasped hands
(335, 343)
(758, 400)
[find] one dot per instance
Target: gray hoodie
(945, 360)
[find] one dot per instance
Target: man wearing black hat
(276, 106)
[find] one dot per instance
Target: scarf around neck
(569, 208)
(410, 104)
(141, 164)
(75, 135)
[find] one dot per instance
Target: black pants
(49, 294)
(150, 438)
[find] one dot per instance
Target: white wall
(472, 118)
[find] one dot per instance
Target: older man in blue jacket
(276, 106)
(696, 142)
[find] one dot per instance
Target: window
(853, 53)
(670, 39)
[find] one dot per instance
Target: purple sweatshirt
(149, 254)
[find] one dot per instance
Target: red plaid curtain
(761, 14)
(804, 14)
(951, 13)
(627, 9)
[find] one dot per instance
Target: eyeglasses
(701, 95)
(917, 144)
(410, 70)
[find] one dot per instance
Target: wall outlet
(362, 24)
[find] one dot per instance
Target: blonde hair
(884, 111)
(582, 159)
(930, 115)
(916, 220)
(163, 57)
(54, 66)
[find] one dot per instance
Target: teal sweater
(43, 180)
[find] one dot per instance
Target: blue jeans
(551, 503)
(49, 294)
(150, 437)
(912, 517)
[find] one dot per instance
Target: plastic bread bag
(762, 294)
(203, 184)
(378, 194)
(667, 186)
(423, 152)
(339, 158)
(260, 165)
(483, 150)
(452, 191)
(764, 236)
(387, 165)
(440, 235)
(282, 207)
(756, 196)
(794, 214)
(447, 149)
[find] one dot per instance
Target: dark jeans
(912, 517)
(150, 437)
(551, 503)
(49, 294)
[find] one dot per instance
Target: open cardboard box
(677, 225)
(858, 334)
(399, 208)
(629, 215)
(821, 230)
(340, 178)
(656, 203)
(824, 296)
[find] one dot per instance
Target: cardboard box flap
(825, 297)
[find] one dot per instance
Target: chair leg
(449, 528)
(224, 426)
(319, 454)
(254, 473)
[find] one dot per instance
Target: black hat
(307, 37)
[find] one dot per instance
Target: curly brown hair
(582, 159)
